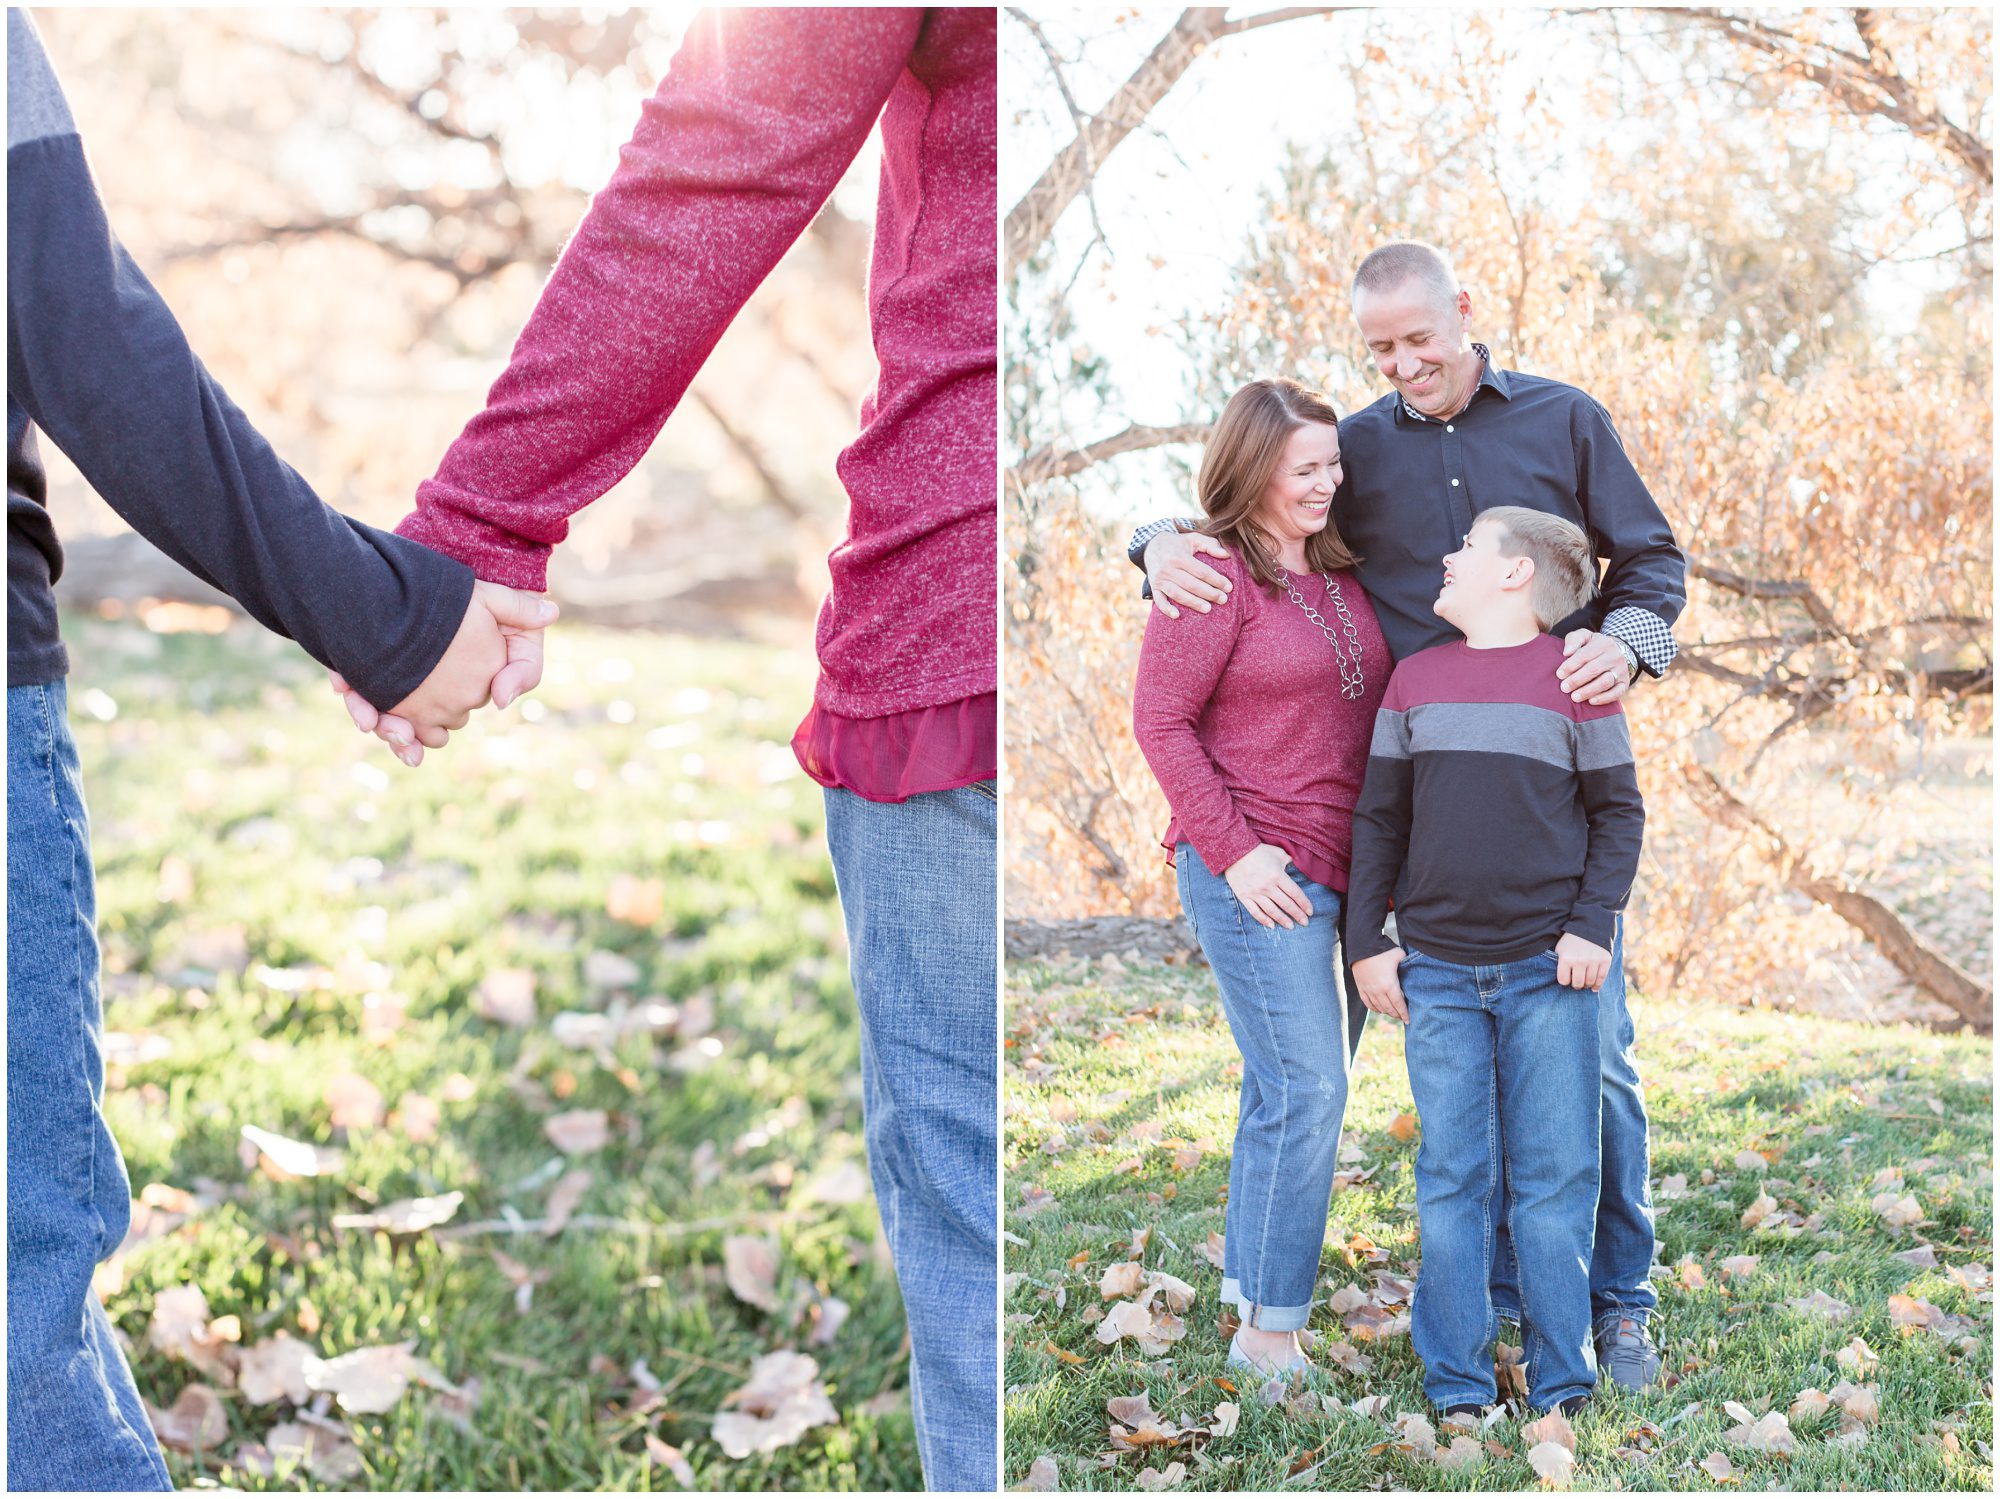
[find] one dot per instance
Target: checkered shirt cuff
(1651, 639)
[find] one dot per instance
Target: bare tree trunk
(1032, 220)
(1916, 959)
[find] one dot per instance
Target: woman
(1256, 718)
(760, 114)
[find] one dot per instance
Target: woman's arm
(760, 113)
(1180, 665)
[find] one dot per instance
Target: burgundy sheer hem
(1313, 864)
(901, 755)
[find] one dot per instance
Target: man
(96, 361)
(1457, 435)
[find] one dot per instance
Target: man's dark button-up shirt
(1413, 485)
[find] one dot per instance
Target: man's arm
(1645, 580)
(97, 361)
(1165, 550)
(760, 113)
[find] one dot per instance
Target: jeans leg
(1549, 1126)
(1282, 996)
(74, 1420)
(1619, 1282)
(1450, 1054)
(917, 884)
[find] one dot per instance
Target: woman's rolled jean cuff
(1264, 1318)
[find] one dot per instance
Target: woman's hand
(1380, 981)
(1265, 890)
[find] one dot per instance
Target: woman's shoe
(1298, 1363)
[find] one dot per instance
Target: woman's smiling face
(1300, 491)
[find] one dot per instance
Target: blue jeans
(1502, 1063)
(1619, 1284)
(919, 890)
(74, 1420)
(1296, 1024)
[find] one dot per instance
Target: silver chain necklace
(1351, 682)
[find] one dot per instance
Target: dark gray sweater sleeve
(98, 362)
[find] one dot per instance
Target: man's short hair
(1565, 570)
(1407, 260)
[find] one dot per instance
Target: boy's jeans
(918, 888)
(1503, 1066)
(1619, 1283)
(1290, 1014)
(74, 1420)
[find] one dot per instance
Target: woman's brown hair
(1242, 454)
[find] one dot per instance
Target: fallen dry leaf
(782, 1402)
(1122, 1280)
(1690, 1274)
(1811, 1402)
(413, 1215)
(578, 1132)
(1554, 1427)
(368, 1381)
(1042, 1476)
(1718, 1466)
(1857, 1357)
(664, 1454)
(565, 1197)
(1552, 1463)
(1769, 1433)
(1369, 1407)
(355, 1102)
(1153, 1479)
(1212, 1249)
(1227, 1414)
(507, 996)
(1671, 1187)
(1403, 1127)
(418, 1117)
(1896, 1211)
(274, 1370)
(636, 901)
(1740, 1265)
(1819, 1304)
(1462, 1453)
(828, 1313)
(1749, 1160)
(750, 1266)
(282, 1158)
(1135, 1425)
(196, 1422)
(1758, 1211)
(1913, 1311)
(1923, 1257)
(329, 1456)
(1858, 1401)
(180, 1328)
(1416, 1433)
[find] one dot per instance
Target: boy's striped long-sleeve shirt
(1498, 813)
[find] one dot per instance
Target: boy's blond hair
(1565, 571)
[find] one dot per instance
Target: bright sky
(1185, 187)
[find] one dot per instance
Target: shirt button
(1449, 427)
(1454, 483)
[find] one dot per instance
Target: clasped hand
(495, 657)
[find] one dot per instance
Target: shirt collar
(1490, 377)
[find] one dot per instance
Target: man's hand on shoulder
(1179, 577)
(1594, 667)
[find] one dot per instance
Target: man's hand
(1265, 890)
(500, 636)
(1176, 576)
(1381, 984)
(1579, 964)
(1593, 667)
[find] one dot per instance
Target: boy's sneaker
(1572, 1405)
(1625, 1354)
(1468, 1416)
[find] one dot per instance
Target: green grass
(1097, 1051)
(652, 757)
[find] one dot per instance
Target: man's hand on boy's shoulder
(1381, 986)
(1594, 668)
(1580, 964)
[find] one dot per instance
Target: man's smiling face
(1419, 342)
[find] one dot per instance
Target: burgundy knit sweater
(1239, 713)
(760, 113)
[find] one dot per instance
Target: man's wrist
(1631, 658)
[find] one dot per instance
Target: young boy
(1505, 820)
